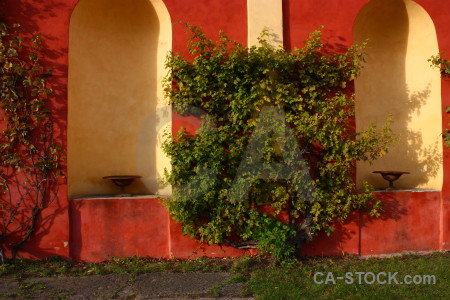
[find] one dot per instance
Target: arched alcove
(116, 111)
(397, 80)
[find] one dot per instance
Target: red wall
(102, 228)
(338, 16)
(52, 18)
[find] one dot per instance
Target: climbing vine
(281, 121)
(444, 67)
(29, 157)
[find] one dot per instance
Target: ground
(230, 278)
(125, 286)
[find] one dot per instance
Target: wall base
(120, 227)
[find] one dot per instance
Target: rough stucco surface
(102, 228)
(397, 81)
(265, 14)
(52, 19)
(117, 112)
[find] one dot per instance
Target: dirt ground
(125, 286)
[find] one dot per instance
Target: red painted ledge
(120, 227)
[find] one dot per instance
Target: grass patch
(8, 295)
(55, 266)
(297, 282)
(26, 289)
(262, 279)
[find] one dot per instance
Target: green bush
(274, 158)
(444, 67)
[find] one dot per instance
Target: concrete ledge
(120, 227)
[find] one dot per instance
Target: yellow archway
(116, 109)
(397, 80)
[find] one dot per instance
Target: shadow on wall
(397, 81)
(114, 96)
(41, 18)
(350, 236)
(48, 19)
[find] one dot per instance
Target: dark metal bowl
(391, 176)
(122, 181)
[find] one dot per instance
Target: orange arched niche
(397, 80)
(116, 110)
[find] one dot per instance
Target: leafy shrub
(279, 121)
(444, 67)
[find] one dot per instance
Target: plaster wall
(51, 18)
(265, 14)
(397, 81)
(117, 113)
(142, 226)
